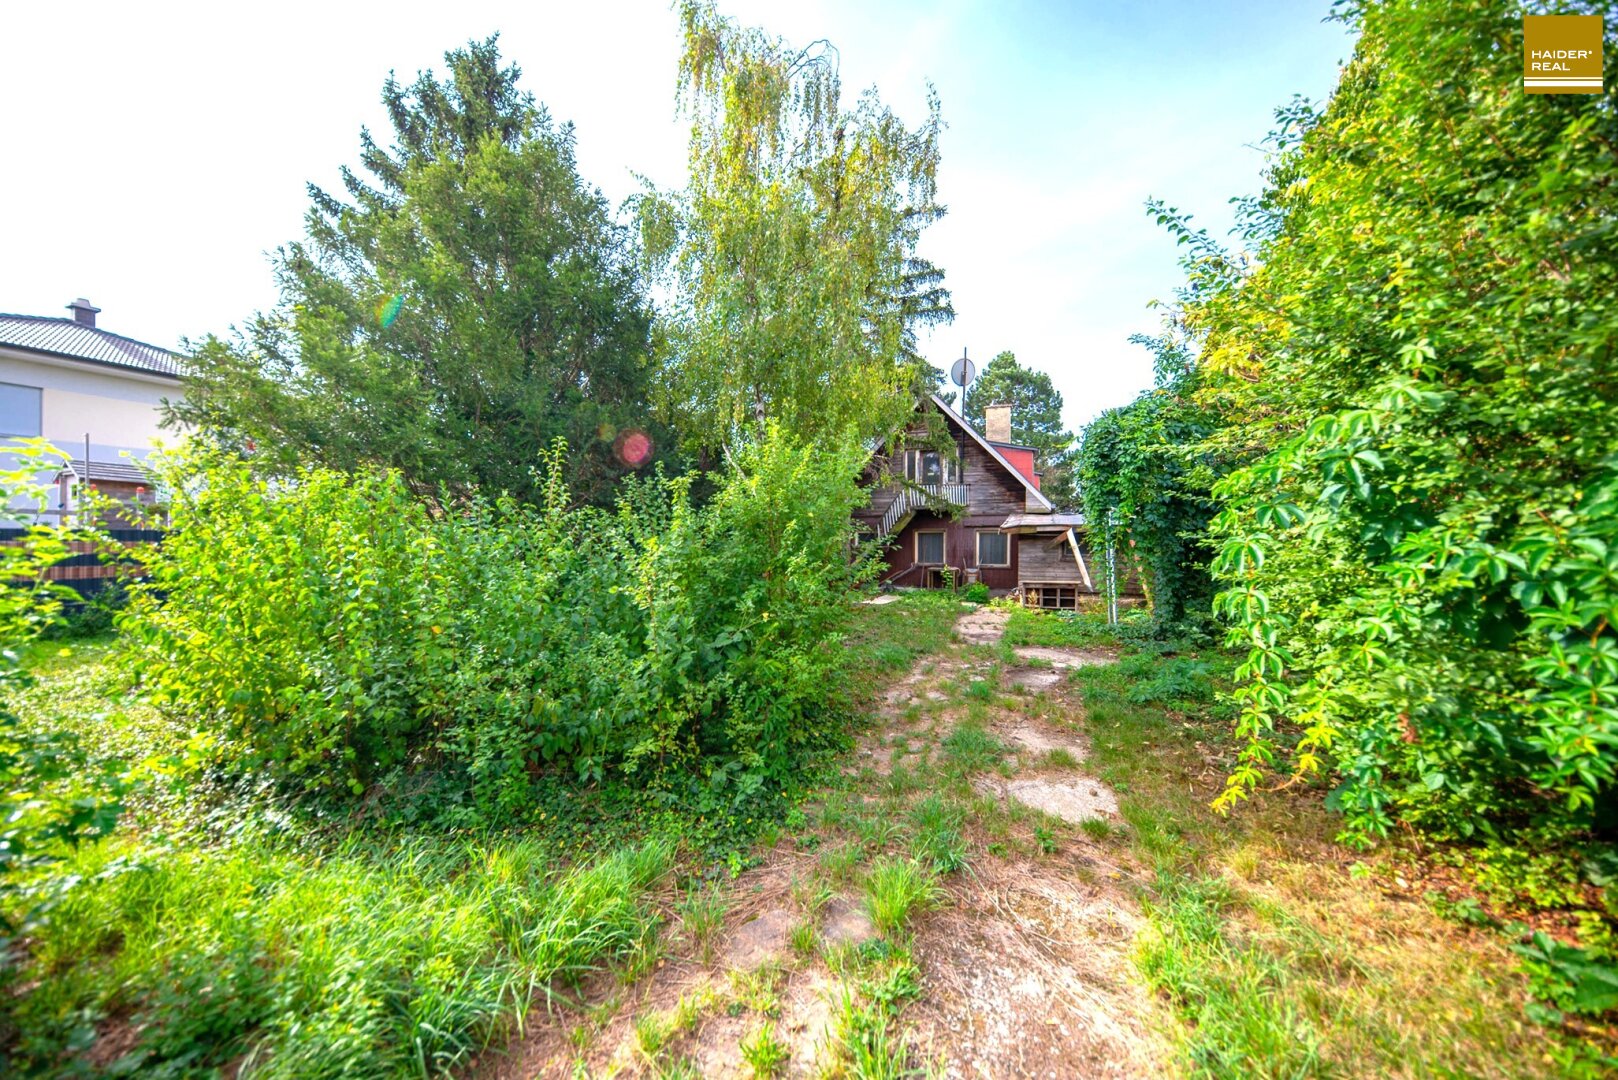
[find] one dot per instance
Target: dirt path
(1021, 968)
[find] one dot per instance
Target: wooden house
(959, 506)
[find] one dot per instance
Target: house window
(19, 410)
(930, 548)
(931, 467)
(994, 549)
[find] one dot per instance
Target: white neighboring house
(95, 395)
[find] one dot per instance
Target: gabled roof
(72, 340)
(1034, 495)
(122, 472)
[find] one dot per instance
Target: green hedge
(335, 631)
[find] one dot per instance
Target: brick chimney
(997, 421)
(83, 311)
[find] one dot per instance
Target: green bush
(91, 616)
(334, 631)
(1414, 366)
(51, 797)
(977, 593)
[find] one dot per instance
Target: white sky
(155, 152)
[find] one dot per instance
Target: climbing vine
(1416, 372)
(1146, 494)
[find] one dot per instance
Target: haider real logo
(1561, 54)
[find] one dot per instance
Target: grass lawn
(1277, 952)
(911, 910)
(217, 931)
(233, 938)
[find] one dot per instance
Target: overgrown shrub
(91, 616)
(1145, 488)
(50, 796)
(292, 621)
(334, 631)
(1417, 366)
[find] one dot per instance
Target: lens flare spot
(634, 448)
(389, 309)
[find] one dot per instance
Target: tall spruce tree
(469, 300)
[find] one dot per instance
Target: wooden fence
(86, 571)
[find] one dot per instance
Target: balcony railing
(913, 497)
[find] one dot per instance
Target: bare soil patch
(1048, 668)
(1035, 680)
(1030, 739)
(760, 940)
(843, 921)
(1064, 659)
(1028, 975)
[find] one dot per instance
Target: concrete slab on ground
(755, 942)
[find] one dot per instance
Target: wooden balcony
(913, 497)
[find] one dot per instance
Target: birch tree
(790, 263)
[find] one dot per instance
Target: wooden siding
(994, 493)
(991, 490)
(960, 551)
(1049, 558)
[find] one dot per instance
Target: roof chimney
(83, 311)
(997, 422)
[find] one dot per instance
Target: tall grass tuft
(1218, 984)
(407, 957)
(896, 888)
(937, 841)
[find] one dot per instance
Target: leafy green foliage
(797, 289)
(1146, 494)
(1416, 368)
(471, 301)
(1175, 680)
(90, 617)
(51, 796)
(1570, 977)
(332, 632)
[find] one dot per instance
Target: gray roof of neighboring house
(73, 340)
(122, 472)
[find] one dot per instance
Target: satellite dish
(963, 371)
